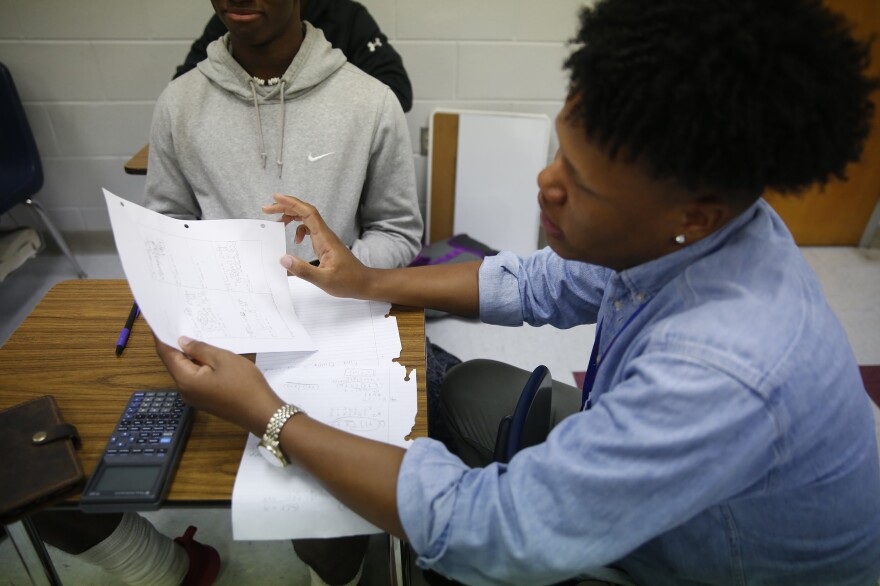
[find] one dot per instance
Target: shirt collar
(644, 280)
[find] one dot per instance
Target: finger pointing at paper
(339, 273)
(451, 287)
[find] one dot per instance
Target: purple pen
(123, 335)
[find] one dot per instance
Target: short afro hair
(732, 95)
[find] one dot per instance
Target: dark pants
(478, 393)
(336, 560)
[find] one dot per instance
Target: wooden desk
(66, 348)
(137, 165)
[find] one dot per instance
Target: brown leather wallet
(38, 458)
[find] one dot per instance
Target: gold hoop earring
(680, 239)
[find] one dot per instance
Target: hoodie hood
(315, 61)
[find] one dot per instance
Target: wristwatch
(269, 445)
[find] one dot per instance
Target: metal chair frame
(21, 168)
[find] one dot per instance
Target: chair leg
(59, 239)
(398, 562)
(32, 553)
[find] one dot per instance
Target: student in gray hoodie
(274, 109)
(227, 136)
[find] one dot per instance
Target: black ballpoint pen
(123, 335)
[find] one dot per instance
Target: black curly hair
(733, 95)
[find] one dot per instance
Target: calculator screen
(128, 478)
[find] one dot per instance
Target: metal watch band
(277, 421)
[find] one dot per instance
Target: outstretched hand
(220, 382)
(339, 273)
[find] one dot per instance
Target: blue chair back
(529, 424)
(21, 172)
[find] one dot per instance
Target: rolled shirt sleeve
(539, 290)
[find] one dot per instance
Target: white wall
(89, 73)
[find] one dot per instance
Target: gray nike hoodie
(328, 133)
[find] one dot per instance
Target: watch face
(270, 456)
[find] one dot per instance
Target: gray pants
(476, 394)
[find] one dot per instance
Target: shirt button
(618, 304)
(640, 297)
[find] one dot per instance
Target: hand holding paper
(213, 280)
(213, 380)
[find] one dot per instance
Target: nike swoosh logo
(313, 158)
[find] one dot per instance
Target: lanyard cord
(595, 360)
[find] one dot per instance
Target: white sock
(317, 581)
(139, 555)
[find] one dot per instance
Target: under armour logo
(373, 45)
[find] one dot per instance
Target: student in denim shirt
(728, 438)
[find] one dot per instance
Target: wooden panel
(66, 348)
(839, 214)
(444, 151)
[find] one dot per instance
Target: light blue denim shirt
(730, 440)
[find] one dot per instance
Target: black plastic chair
(530, 422)
(21, 169)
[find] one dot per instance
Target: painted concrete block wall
(89, 73)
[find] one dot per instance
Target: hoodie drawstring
(280, 136)
(259, 121)
(279, 162)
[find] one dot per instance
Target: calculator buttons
(150, 420)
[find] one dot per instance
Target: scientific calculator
(140, 458)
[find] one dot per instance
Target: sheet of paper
(347, 332)
(350, 383)
(218, 281)
(287, 503)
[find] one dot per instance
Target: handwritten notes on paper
(347, 332)
(218, 281)
(288, 503)
(349, 383)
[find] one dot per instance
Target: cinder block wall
(89, 73)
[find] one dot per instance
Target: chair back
(529, 424)
(21, 172)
